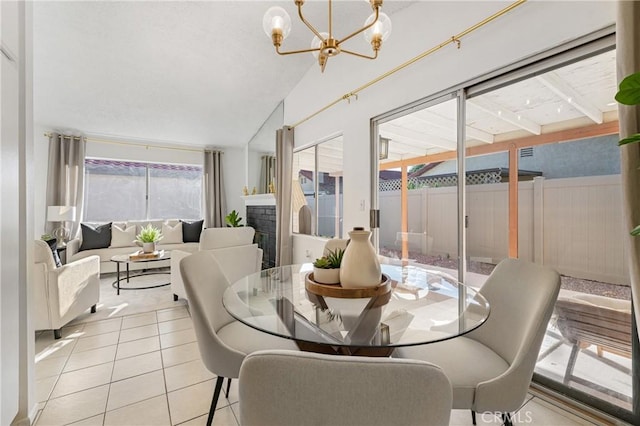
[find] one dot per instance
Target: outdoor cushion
(95, 237)
(191, 231)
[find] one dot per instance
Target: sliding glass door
(542, 183)
(417, 185)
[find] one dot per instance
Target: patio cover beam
(609, 128)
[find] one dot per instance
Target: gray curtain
(628, 62)
(65, 176)
(284, 165)
(215, 201)
(267, 173)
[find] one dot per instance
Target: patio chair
(587, 319)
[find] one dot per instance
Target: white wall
(16, 204)
(263, 143)
(9, 218)
(531, 28)
(234, 169)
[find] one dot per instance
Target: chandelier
(376, 29)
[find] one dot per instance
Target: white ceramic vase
(360, 267)
(148, 247)
(326, 276)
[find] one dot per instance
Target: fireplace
(263, 219)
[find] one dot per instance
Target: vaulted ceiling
(195, 73)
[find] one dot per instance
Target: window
(126, 190)
(317, 188)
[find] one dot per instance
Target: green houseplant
(629, 94)
(326, 269)
(233, 219)
(148, 237)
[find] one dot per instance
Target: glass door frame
(375, 123)
(576, 50)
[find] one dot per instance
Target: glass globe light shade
(382, 27)
(317, 43)
(276, 17)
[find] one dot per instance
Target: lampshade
(276, 18)
(381, 28)
(61, 213)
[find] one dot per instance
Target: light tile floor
(145, 369)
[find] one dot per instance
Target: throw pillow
(172, 234)
(53, 245)
(122, 237)
(191, 231)
(95, 237)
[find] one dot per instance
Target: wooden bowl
(335, 290)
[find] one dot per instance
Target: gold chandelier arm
(363, 28)
(296, 51)
(330, 22)
(307, 23)
(360, 55)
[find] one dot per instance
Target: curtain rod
(454, 39)
(146, 146)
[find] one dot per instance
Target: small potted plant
(233, 219)
(148, 237)
(326, 269)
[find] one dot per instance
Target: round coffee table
(124, 259)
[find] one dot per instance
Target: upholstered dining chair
(491, 367)
(238, 265)
(333, 244)
(302, 388)
(223, 342)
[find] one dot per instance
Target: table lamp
(61, 214)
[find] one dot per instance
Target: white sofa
(232, 247)
(106, 265)
(61, 294)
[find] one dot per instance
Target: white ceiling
(195, 73)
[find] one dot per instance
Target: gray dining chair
(223, 342)
(302, 388)
(491, 367)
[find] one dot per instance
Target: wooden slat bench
(586, 320)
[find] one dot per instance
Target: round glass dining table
(421, 306)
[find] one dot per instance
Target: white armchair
(245, 259)
(61, 294)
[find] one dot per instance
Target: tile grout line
(106, 402)
(75, 342)
(164, 374)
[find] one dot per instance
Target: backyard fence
(573, 225)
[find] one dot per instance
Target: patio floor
(607, 377)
